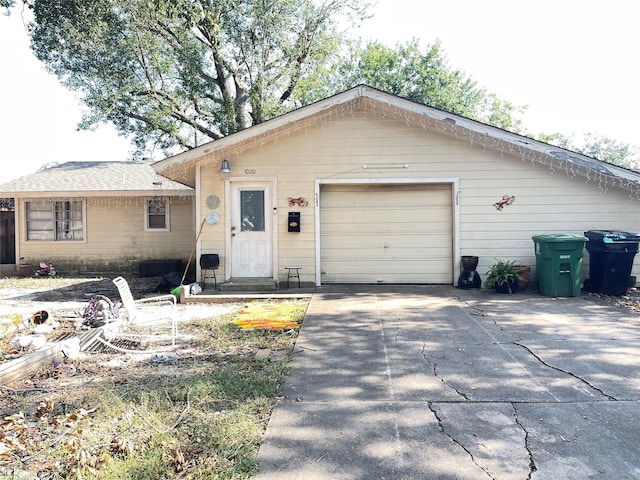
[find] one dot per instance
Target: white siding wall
(212, 237)
(546, 201)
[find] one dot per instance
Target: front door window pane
(252, 210)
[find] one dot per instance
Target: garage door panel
(429, 214)
(369, 226)
(400, 202)
(386, 233)
(398, 271)
(388, 244)
(379, 195)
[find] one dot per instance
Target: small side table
(293, 272)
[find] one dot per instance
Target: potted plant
(503, 276)
(525, 274)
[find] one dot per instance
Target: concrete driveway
(434, 382)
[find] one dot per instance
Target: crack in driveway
(532, 463)
(444, 382)
(443, 430)
(566, 372)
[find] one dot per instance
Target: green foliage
(179, 73)
(598, 146)
(502, 272)
(175, 74)
(407, 71)
(501, 113)
(609, 150)
(422, 77)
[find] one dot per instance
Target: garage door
(386, 233)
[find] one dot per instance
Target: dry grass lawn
(196, 412)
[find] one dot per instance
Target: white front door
(251, 230)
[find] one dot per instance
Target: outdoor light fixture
(225, 170)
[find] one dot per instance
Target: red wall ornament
(504, 201)
(298, 202)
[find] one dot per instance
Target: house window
(157, 213)
(55, 221)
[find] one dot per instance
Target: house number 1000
(249, 171)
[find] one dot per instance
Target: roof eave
(99, 193)
(181, 167)
(169, 166)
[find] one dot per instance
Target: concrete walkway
(442, 383)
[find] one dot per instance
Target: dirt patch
(105, 414)
(63, 301)
(630, 301)
(62, 289)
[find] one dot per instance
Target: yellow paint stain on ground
(261, 316)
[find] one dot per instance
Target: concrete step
(247, 285)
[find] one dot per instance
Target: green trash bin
(559, 263)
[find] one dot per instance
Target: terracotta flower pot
(525, 273)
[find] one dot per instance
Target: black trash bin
(611, 255)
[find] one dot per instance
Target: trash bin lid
(613, 236)
(560, 237)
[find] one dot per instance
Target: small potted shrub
(503, 276)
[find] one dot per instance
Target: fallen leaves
(21, 437)
(123, 446)
(201, 413)
(178, 460)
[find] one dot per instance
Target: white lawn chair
(147, 319)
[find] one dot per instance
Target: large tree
(176, 73)
(407, 70)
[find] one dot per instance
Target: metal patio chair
(152, 319)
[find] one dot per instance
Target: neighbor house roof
(94, 179)
(181, 167)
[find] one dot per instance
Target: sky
(575, 64)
